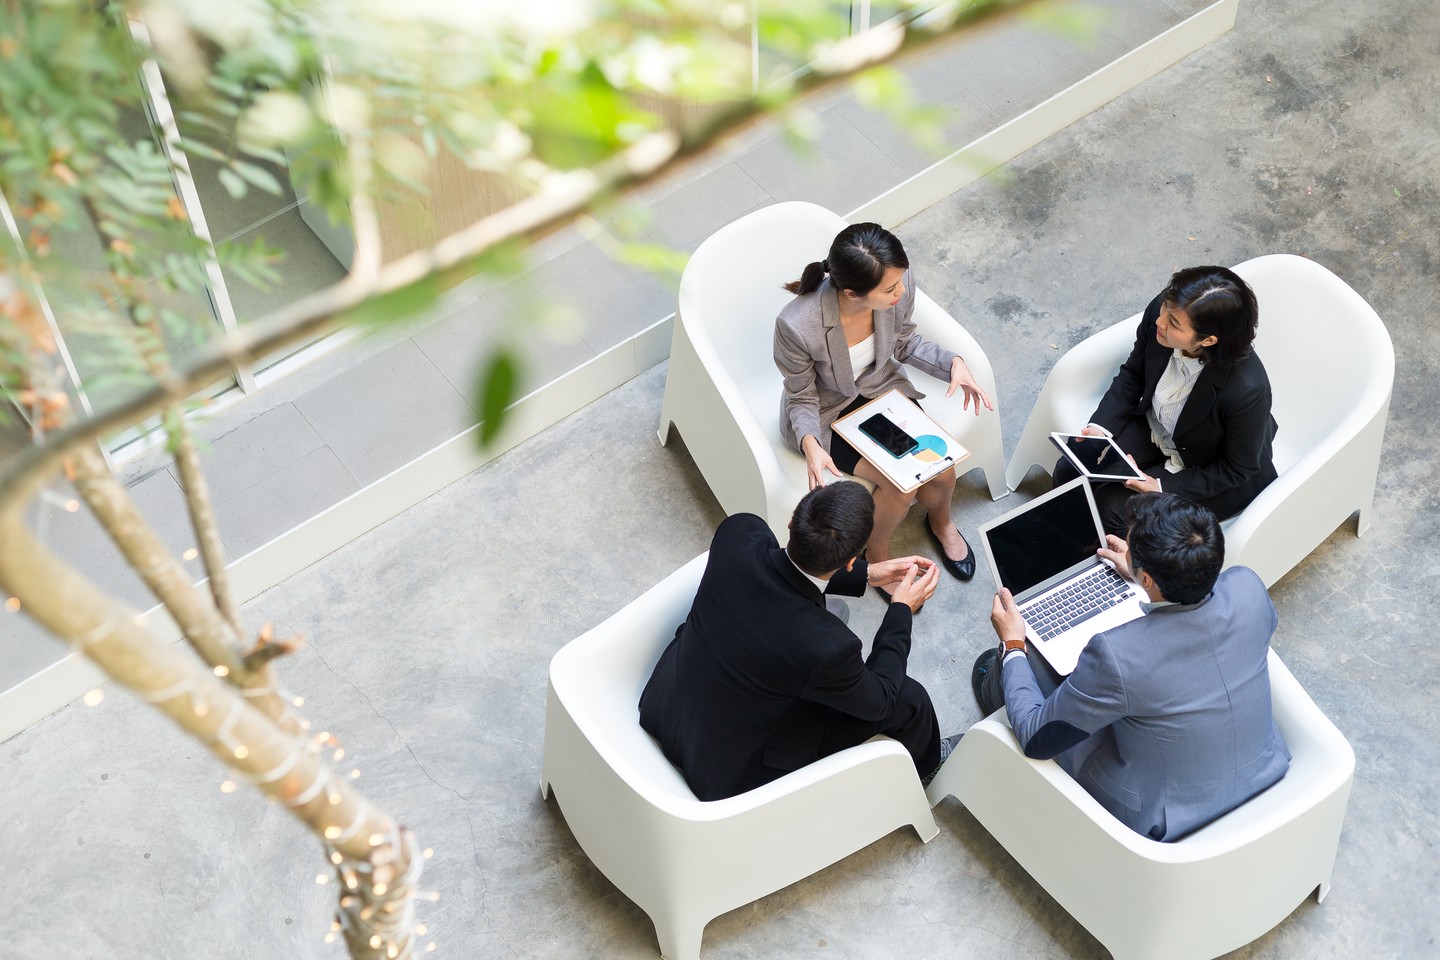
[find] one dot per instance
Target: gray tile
(162, 501)
(284, 500)
(840, 170)
(254, 450)
(1116, 27)
(462, 343)
(547, 354)
(386, 411)
(1013, 64)
(614, 301)
(966, 117)
(227, 217)
(79, 539)
(690, 214)
(308, 266)
(1188, 8)
(26, 648)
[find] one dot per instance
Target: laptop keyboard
(1083, 598)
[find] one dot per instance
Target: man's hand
(1005, 618)
(817, 461)
(916, 586)
(1117, 551)
(1148, 485)
(885, 572)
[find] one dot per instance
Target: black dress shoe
(959, 569)
(979, 674)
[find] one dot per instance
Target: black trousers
(992, 687)
(911, 721)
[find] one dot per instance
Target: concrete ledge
(53, 687)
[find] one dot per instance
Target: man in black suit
(762, 679)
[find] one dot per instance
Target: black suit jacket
(739, 697)
(1224, 431)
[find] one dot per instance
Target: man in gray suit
(1166, 719)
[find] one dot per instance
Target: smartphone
(888, 434)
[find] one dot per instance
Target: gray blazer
(812, 356)
(1166, 720)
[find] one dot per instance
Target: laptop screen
(1044, 541)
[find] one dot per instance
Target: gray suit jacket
(1166, 720)
(814, 360)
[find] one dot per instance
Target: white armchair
(1331, 366)
(723, 391)
(683, 861)
(1204, 895)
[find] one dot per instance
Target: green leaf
(232, 182)
(259, 176)
(496, 389)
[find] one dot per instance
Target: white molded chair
(683, 861)
(723, 390)
(1206, 894)
(1331, 366)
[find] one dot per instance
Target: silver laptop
(1044, 552)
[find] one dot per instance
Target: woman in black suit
(1191, 404)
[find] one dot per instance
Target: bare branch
(267, 648)
(202, 516)
(210, 635)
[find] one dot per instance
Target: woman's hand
(817, 461)
(960, 379)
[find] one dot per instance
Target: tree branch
(202, 516)
(373, 856)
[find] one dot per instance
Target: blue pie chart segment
(929, 448)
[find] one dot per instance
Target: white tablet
(1099, 458)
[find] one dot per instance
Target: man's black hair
(1178, 542)
(829, 527)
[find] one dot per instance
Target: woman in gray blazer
(842, 342)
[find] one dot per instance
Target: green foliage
(346, 99)
(499, 382)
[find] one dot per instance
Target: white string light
(168, 693)
(96, 634)
(311, 791)
(279, 770)
(360, 814)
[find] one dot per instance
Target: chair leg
(1362, 518)
(679, 938)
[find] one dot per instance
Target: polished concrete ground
(1309, 129)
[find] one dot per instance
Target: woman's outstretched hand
(817, 461)
(960, 379)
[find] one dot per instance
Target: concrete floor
(1311, 129)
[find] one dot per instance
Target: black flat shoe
(959, 569)
(890, 599)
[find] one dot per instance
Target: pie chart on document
(929, 448)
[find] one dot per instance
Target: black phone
(888, 434)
